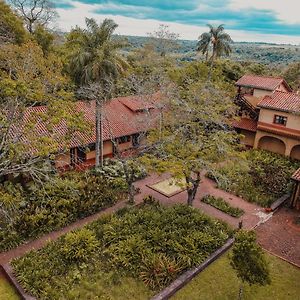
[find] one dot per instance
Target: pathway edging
(186, 277)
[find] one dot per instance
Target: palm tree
(216, 39)
(96, 64)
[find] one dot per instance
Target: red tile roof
(281, 101)
(138, 103)
(247, 124)
(261, 82)
(118, 120)
(296, 175)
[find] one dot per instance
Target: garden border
(9, 275)
(186, 277)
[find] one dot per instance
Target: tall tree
(11, 26)
(164, 40)
(95, 62)
(194, 137)
(35, 12)
(248, 260)
(216, 39)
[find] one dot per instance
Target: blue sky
(246, 20)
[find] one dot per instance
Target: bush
(151, 243)
(79, 245)
(262, 178)
(222, 205)
(38, 209)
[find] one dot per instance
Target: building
(295, 198)
(125, 120)
(269, 115)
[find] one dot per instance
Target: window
(124, 139)
(280, 120)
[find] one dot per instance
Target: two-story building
(269, 115)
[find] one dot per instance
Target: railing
(242, 102)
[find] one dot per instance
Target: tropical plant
(216, 39)
(95, 64)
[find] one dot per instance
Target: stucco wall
(274, 147)
(261, 93)
(282, 88)
(107, 149)
(267, 116)
(248, 138)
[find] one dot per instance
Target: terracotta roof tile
(118, 120)
(261, 82)
(247, 124)
(296, 175)
(282, 101)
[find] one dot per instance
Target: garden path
(5, 257)
(253, 213)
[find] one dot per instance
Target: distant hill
(242, 51)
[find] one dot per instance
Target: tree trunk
(193, 185)
(210, 68)
(98, 132)
(241, 292)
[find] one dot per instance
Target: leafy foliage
(248, 259)
(262, 177)
(222, 205)
(151, 243)
(41, 209)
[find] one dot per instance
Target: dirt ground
(281, 236)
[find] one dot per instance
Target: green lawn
(219, 282)
(6, 290)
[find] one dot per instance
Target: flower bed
(222, 205)
(139, 250)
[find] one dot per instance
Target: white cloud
(288, 11)
(129, 26)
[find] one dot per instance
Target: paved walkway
(281, 236)
(5, 257)
(253, 213)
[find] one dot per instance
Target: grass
(219, 282)
(169, 187)
(6, 290)
(223, 206)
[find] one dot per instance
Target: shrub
(38, 209)
(150, 243)
(222, 205)
(262, 178)
(79, 245)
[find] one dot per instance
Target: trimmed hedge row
(150, 243)
(222, 205)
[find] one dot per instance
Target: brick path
(281, 236)
(252, 216)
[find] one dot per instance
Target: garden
(131, 254)
(223, 206)
(262, 177)
(31, 209)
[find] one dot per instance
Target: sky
(273, 21)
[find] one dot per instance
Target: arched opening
(272, 144)
(295, 153)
